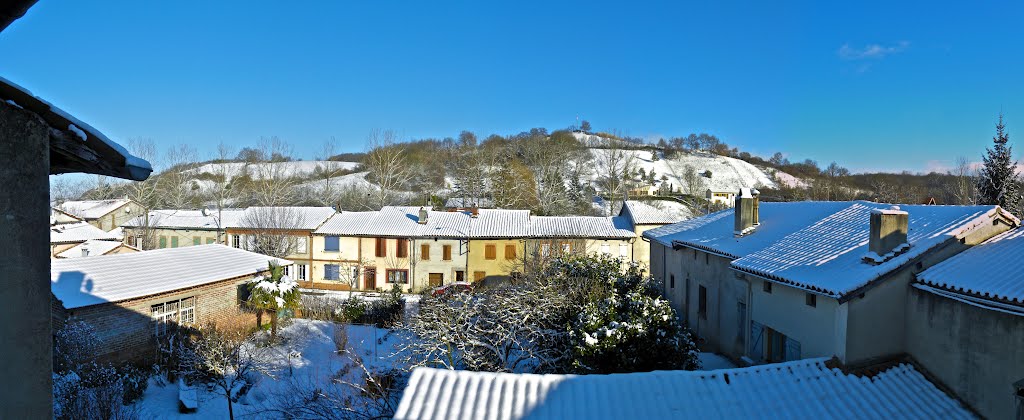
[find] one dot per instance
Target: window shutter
(401, 248)
(197, 240)
(792, 349)
(425, 252)
(756, 341)
(510, 252)
(163, 242)
(446, 252)
(490, 252)
(381, 247)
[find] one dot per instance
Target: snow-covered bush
(74, 345)
(224, 360)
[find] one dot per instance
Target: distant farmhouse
(175, 228)
(134, 299)
(106, 215)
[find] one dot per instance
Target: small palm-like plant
(271, 294)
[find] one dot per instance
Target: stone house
(106, 215)
(134, 299)
(965, 324)
(69, 235)
(94, 247)
(643, 217)
(551, 236)
(767, 282)
(176, 228)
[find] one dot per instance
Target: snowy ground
(711, 361)
(313, 360)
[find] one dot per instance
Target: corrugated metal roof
(346, 223)
(95, 246)
(645, 214)
(992, 269)
(92, 209)
(395, 221)
(299, 218)
(89, 281)
(188, 219)
(496, 223)
(78, 232)
(580, 227)
(827, 255)
(798, 389)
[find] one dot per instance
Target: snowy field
(305, 355)
(288, 169)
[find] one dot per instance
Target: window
(479, 275)
(510, 252)
(398, 276)
(210, 241)
(287, 270)
(300, 271)
(606, 249)
(300, 245)
(174, 242)
(446, 252)
(566, 247)
(425, 252)
(331, 244)
(490, 252)
(382, 247)
(624, 250)
(672, 281)
(179, 312)
(197, 240)
(235, 241)
(331, 272)
(545, 250)
(702, 302)
(811, 299)
(766, 286)
(163, 241)
(402, 248)
(778, 347)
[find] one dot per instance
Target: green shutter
(174, 242)
(163, 242)
(210, 241)
(197, 240)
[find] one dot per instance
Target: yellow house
(552, 236)
(643, 217)
(69, 235)
(178, 228)
(284, 232)
(104, 214)
(416, 248)
(497, 243)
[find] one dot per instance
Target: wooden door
(370, 279)
(436, 279)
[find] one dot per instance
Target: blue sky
(874, 86)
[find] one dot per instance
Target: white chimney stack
(887, 236)
(746, 211)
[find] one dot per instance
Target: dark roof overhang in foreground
(12, 10)
(74, 145)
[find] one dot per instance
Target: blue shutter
(331, 271)
(331, 243)
(792, 349)
(756, 341)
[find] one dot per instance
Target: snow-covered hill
(259, 170)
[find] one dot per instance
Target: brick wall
(126, 328)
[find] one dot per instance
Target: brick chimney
(423, 216)
(746, 211)
(887, 236)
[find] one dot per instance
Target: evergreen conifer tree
(997, 183)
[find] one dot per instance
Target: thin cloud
(872, 51)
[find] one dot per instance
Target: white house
(767, 282)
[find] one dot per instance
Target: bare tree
(694, 182)
(272, 183)
(177, 189)
(386, 162)
(326, 172)
(615, 167)
(270, 230)
(222, 359)
(64, 188)
(964, 189)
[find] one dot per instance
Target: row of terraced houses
(413, 247)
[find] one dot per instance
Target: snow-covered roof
(468, 202)
(78, 232)
(398, 221)
(96, 154)
(298, 218)
(820, 246)
(187, 219)
(92, 209)
(993, 269)
(580, 227)
(642, 213)
(89, 281)
(497, 223)
(95, 247)
(799, 389)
